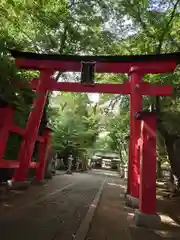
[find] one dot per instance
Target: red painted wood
(124, 89)
(135, 106)
(9, 164)
(15, 164)
(33, 165)
(147, 89)
(147, 196)
(150, 130)
(2, 113)
(107, 67)
(135, 88)
(95, 88)
(144, 89)
(17, 129)
(43, 153)
(4, 130)
(40, 139)
(21, 131)
(129, 164)
(27, 146)
(34, 83)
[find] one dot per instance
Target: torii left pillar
(43, 154)
(28, 143)
(133, 166)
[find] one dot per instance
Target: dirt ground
(169, 210)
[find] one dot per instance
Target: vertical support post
(135, 106)
(43, 153)
(6, 122)
(27, 146)
(129, 164)
(147, 197)
(146, 215)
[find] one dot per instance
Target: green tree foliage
(152, 28)
(75, 124)
(92, 27)
(68, 27)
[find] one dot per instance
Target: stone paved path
(113, 220)
(63, 207)
(50, 212)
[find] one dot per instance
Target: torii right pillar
(146, 215)
(138, 88)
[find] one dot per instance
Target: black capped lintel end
(141, 115)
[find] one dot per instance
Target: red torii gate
(136, 66)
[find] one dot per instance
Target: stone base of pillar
(36, 182)
(124, 195)
(3, 191)
(13, 185)
(147, 220)
(68, 172)
(132, 201)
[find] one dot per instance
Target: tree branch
(144, 26)
(63, 44)
(64, 35)
(114, 101)
(23, 32)
(161, 39)
(174, 42)
(158, 51)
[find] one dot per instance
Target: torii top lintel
(153, 63)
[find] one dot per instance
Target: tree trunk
(120, 152)
(175, 160)
(172, 143)
(49, 161)
(159, 175)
